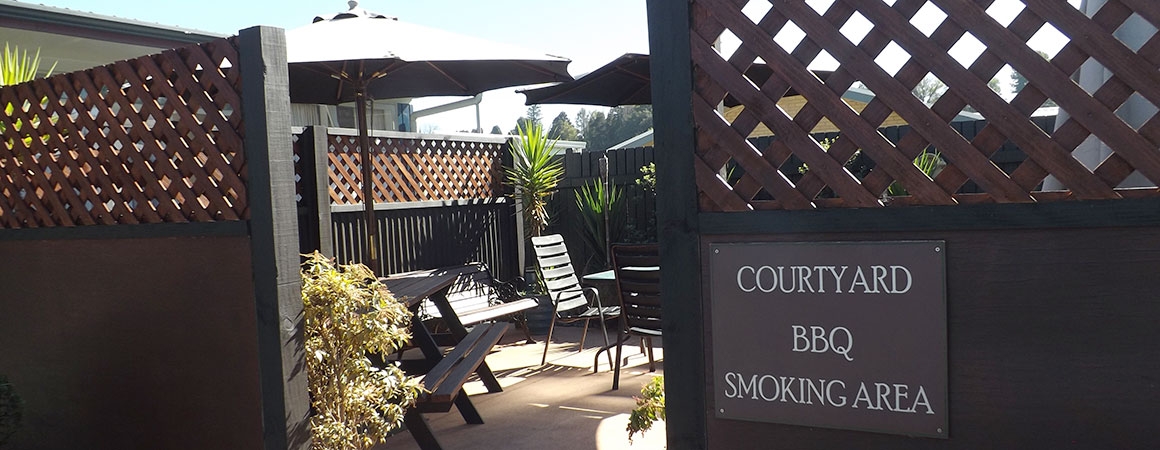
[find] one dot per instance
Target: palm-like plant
(594, 202)
(16, 68)
(534, 174)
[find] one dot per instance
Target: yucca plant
(928, 163)
(348, 314)
(594, 202)
(16, 68)
(534, 174)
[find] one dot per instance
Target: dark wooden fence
(582, 168)
(439, 199)
(150, 291)
(1043, 288)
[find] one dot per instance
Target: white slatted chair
(571, 302)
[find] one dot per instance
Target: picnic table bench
(445, 381)
(475, 297)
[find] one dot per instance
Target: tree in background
(1018, 81)
(562, 129)
(495, 129)
(929, 90)
(534, 118)
(601, 131)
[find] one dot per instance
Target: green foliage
(601, 131)
(17, 67)
(648, 177)
(594, 202)
(928, 163)
(11, 410)
(562, 129)
(533, 118)
(348, 314)
(534, 174)
(650, 407)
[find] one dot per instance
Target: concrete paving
(561, 405)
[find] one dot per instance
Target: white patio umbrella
(358, 55)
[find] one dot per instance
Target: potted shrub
(348, 314)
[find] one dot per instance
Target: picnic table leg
(459, 331)
(420, 431)
(466, 409)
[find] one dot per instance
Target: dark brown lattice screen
(152, 140)
(796, 172)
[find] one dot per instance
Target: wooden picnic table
(414, 287)
(444, 381)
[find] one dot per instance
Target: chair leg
(604, 332)
(583, 335)
(616, 367)
(548, 340)
(651, 363)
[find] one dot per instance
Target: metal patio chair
(571, 302)
(638, 279)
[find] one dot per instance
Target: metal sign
(848, 335)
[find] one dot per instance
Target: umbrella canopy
(329, 58)
(627, 81)
(357, 55)
(624, 81)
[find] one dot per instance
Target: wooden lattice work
(152, 140)
(765, 180)
(411, 169)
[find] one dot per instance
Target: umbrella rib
(445, 75)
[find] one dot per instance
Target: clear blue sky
(590, 32)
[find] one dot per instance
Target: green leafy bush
(11, 410)
(348, 314)
(650, 407)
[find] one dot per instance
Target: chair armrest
(595, 293)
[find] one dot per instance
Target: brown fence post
(274, 238)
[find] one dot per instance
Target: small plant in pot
(11, 410)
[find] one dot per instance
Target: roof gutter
(66, 21)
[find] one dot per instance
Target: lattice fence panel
(151, 140)
(765, 179)
(416, 169)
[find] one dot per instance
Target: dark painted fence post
(677, 222)
(315, 163)
(274, 238)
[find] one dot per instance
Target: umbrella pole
(364, 147)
